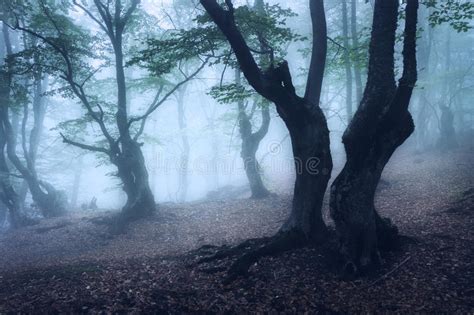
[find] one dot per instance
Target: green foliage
(265, 34)
(457, 13)
(231, 93)
(162, 55)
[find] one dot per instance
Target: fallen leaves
(150, 269)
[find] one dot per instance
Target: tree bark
(381, 124)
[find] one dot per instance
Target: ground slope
(73, 264)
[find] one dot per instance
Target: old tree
(380, 125)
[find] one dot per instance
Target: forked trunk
(381, 124)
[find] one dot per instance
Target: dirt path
(73, 265)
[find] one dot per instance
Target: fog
(214, 158)
(151, 128)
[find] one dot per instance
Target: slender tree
(355, 48)
(347, 61)
(8, 195)
(184, 159)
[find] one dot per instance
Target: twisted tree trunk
(380, 125)
(250, 143)
(134, 175)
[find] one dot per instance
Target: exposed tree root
(250, 251)
(247, 253)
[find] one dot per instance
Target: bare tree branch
(84, 146)
(319, 50)
(154, 106)
(89, 13)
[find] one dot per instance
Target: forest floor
(74, 265)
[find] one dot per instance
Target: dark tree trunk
(381, 124)
(313, 164)
(250, 143)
